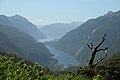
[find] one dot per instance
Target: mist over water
(45, 40)
(63, 57)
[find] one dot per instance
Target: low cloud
(40, 21)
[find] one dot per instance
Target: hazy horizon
(43, 12)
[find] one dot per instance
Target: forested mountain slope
(23, 25)
(75, 41)
(24, 45)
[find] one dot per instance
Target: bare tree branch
(102, 49)
(104, 36)
(90, 46)
(103, 39)
(95, 50)
(100, 59)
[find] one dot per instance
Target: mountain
(24, 45)
(75, 41)
(57, 30)
(6, 44)
(23, 25)
(39, 26)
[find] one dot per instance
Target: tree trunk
(92, 59)
(95, 50)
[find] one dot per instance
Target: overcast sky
(52, 11)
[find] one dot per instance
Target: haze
(42, 12)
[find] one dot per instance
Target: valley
(75, 41)
(64, 58)
(59, 40)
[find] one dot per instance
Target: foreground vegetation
(12, 68)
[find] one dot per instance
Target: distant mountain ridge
(15, 36)
(74, 42)
(57, 30)
(24, 45)
(23, 25)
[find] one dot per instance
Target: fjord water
(63, 57)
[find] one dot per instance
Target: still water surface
(63, 57)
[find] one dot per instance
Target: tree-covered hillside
(24, 45)
(16, 68)
(23, 25)
(74, 42)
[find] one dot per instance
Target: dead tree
(94, 52)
